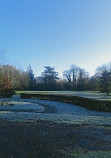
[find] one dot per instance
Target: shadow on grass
(49, 140)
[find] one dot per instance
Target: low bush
(84, 102)
(6, 95)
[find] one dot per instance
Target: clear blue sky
(56, 33)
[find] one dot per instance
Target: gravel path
(29, 110)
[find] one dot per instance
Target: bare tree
(77, 78)
(74, 71)
(103, 73)
(24, 80)
(83, 79)
(12, 78)
(67, 75)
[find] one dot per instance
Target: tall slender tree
(74, 71)
(32, 80)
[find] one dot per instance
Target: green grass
(59, 92)
(98, 154)
(86, 94)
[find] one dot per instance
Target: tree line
(75, 78)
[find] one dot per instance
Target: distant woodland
(75, 78)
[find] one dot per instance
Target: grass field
(48, 140)
(94, 154)
(86, 94)
(59, 92)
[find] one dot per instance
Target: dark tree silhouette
(67, 75)
(74, 71)
(50, 77)
(83, 79)
(77, 78)
(31, 78)
(103, 73)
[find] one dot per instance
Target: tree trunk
(73, 81)
(107, 90)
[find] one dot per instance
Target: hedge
(6, 95)
(84, 102)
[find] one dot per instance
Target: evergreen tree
(50, 77)
(31, 78)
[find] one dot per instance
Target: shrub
(6, 95)
(84, 102)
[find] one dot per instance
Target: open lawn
(48, 140)
(86, 94)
